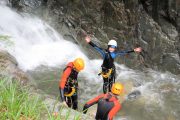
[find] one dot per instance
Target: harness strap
(106, 74)
(73, 90)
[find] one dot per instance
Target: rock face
(9, 67)
(65, 113)
(152, 24)
(26, 5)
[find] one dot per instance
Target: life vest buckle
(106, 74)
(73, 90)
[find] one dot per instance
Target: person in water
(107, 104)
(68, 84)
(108, 68)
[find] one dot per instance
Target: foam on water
(35, 43)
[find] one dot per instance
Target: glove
(85, 108)
(88, 39)
(138, 50)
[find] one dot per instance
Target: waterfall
(35, 43)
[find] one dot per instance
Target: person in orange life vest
(68, 84)
(108, 68)
(107, 104)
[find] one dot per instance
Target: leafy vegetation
(17, 103)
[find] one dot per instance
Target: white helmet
(112, 43)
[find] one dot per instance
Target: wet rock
(158, 45)
(134, 95)
(70, 38)
(65, 113)
(171, 61)
(9, 68)
(27, 5)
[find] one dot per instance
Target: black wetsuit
(107, 106)
(68, 80)
(108, 63)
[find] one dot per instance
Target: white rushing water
(4, 2)
(34, 43)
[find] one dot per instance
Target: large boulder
(64, 112)
(9, 68)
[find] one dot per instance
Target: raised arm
(121, 53)
(100, 50)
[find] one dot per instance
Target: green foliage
(17, 103)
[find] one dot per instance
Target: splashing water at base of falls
(35, 43)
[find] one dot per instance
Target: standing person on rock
(107, 104)
(68, 84)
(108, 68)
